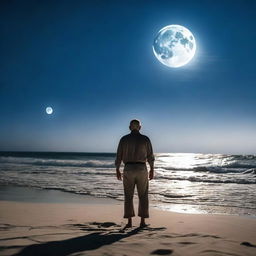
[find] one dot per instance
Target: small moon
(49, 110)
(174, 46)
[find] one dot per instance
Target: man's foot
(129, 224)
(143, 225)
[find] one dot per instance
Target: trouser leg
(129, 185)
(142, 188)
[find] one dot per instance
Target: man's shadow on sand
(78, 244)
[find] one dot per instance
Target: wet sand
(95, 227)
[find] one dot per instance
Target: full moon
(174, 46)
(49, 110)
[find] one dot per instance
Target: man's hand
(118, 174)
(151, 174)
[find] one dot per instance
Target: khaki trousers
(135, 174)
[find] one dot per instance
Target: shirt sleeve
(150, 154)
(119, 154)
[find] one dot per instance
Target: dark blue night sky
(92, 61)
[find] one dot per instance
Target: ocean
(184, 182)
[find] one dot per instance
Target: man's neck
(135, 131)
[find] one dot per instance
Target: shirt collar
(135, 131)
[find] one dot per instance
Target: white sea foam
(205, 180)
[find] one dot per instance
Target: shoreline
(40, 195)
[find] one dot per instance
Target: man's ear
(129, 127)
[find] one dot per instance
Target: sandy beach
(94, 227)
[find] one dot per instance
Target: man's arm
(150, 159)
(118, 160)
(151, 172)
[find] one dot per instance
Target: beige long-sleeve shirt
(134, 147)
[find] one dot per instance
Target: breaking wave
(53, 162)
(197, 178)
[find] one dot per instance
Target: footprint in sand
(162, 252)
(104, 224)
(248, 244)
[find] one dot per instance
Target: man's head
(135, 124)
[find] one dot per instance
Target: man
(135, 150)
